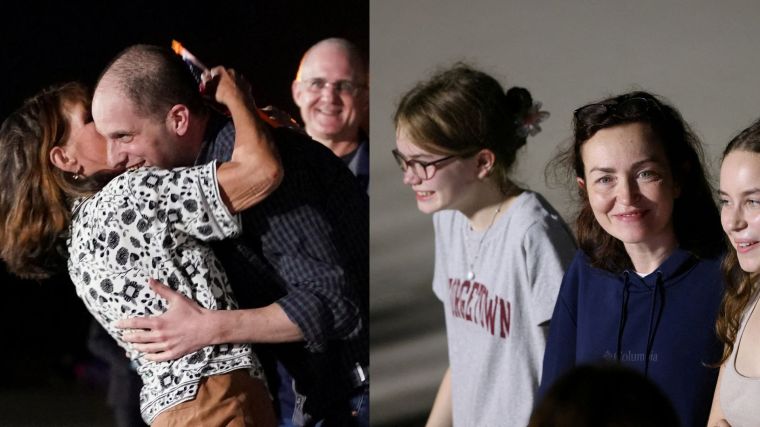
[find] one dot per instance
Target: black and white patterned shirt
(155, 223)
(305, 247)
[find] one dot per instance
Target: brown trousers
(233, 399)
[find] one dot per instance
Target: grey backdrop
(701, 55)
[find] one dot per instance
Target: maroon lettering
(505, 318)
(462, 295)
(468, 305)
(472, 302)
(491, 307)
(453, 289)
(483, 297)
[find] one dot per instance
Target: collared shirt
(154, 223)
(358, 162)
(305, 247)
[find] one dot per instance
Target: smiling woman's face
(740, 206)
(450, 185)
(629, 185)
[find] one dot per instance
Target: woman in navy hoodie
(645, 285)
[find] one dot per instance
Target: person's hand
(183, 329)
(225, 86)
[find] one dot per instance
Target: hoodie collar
(674, 266)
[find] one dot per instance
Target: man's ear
(486, 159)
(61, 159)
(178, 119)
(295, 89)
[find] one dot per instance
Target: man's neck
(195, 137)
(342, 147)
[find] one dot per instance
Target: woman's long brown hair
(34, 194)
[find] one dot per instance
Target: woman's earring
(76, 177)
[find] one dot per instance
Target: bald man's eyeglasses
(343, 87)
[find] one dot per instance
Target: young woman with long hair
(738, 324)
(500, 250)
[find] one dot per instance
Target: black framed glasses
(422, 170)
(343, 87)
(631, 107)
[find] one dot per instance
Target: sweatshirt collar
(676, 264)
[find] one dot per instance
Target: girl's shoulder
(534, 214)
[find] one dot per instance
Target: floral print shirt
(155, 223)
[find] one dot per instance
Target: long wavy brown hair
(739, 284)
(35, 195)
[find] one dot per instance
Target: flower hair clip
(528, 123)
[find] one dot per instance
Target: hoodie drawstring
(623, 315)
(654, 321)
(658, 288)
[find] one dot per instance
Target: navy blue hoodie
(662, 325)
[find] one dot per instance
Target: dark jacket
(306, 247)
(662, 324)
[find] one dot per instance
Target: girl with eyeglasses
(500, 250)
(738, 325)
(644, 287)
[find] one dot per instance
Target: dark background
(43, 326)
(53, 42)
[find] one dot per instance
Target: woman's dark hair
(739, 285)
(701, 234)
(35, 195)
(460, 111)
